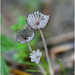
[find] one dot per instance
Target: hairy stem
(40, 66)
(42, 69)
(47, 55)
(29, 47)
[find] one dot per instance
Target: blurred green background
(58, 35)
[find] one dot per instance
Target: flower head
(35, 56)
(25, 35)
(37, 20)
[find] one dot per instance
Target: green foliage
(4, 68)
(45, 64)
(20, 24)
(61, 65)
(32, 43)
(70, 71)
(15, 27)
(29, 70)
(35, 40)
(22, 50)
(0, 19)
(33, 65)
(22, 47)
(21, 57)
(22, 21)
(65, 71)
(7, 43)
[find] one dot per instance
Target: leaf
(31, 63)
(15, 27)
(29, 70)
(0, 20)
(7, 43)
(45, 64)
(20, 24)
(21, 57)
(21, 21)
(35, 40)
(61, 65)
(70, 71)
(18, 72)
(22, 47)
(4, 68)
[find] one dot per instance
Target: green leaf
(61, 65)
(29, 70)
(21, 56)
(7, 43)
(21, 21)
(15, 27)
(0, 19)
(4, 68)
(32, 64)
(22, 47)
(70, 71)
(45, 64)
(35, 40)
(20, 24)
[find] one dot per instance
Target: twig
(47, 55)
(61, 48)
(19, 72)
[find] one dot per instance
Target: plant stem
(40, 66)
(29, 47)
(46, 50)
(42, 69)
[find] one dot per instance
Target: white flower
(25, 35)
(37, 20)
(35, 56)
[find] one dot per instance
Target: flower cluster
(36, 20)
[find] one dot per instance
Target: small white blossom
(37, 20)
(25, 35)
(36, 55)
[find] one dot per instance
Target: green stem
(29, 47)
(47, 55)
